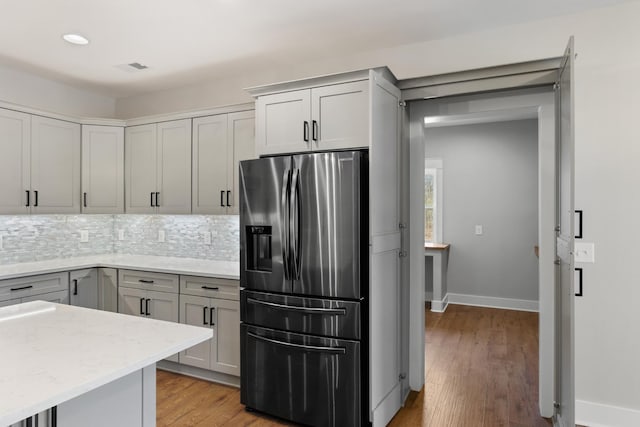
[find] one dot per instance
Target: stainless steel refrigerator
(304, 287)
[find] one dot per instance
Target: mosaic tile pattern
(184, 236)
(28, 238)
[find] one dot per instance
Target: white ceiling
(185, 41)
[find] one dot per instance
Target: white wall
(490, 179)
(19, 87)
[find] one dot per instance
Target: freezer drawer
(308, 380)
(316, 316)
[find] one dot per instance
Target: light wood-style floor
(482, 371)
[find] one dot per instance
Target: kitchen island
(94, 367)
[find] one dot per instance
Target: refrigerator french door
(303, 273)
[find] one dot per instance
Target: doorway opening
(522, 282)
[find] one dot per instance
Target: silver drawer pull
(209, 288)
(308, 310)
(309, 348)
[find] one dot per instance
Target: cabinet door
(196, 311)
(15, 163)
(210, 162)
(108, 289)
(174, 167)
(84, 288)
(242, 146)
(55, 166)
(102, 169)
(280, 122)
(164, 306)
(131, 301)
(140, 168)
(340, 116)
(226, 337)
(59, 297)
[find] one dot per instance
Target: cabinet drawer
(145, 280)
(210, 287)
(33, 285)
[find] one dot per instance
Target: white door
(131, 301)
(210, 152)
(226, 336)
(140, 168)
(83, 291)
(565, 294)
(55, 166)
(242, 146)
(163, 306)
(102, 169)
(196, 311)
(174, 167)
(283, 122)
(340, 116)
(15, 162)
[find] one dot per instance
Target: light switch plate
(161, 236)
(584, 252)
(120, 234)
(478, 230)
(207, 237)
(84, 236)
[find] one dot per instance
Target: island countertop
(160, 264)
(52, 353)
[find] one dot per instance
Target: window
(433, 176)
(430, 177)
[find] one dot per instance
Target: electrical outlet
(207, 237)
(478, 230)
(120, 234)
(84, 236)
(161, 236)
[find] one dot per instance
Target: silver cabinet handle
(308, 310)
(308, 348)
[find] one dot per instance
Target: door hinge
(556, 86)
(402, 226)
(402, 103)
(402, 376)
(556, 408)
(556, 261)
(557, 228)
(402, 254)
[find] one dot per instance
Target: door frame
(517, 76)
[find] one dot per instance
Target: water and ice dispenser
(258, 248)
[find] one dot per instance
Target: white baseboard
(440, 306)
(388, 407)
(598, 415)
(493, 302)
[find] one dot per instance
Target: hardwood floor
(482, 371)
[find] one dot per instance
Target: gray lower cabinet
(136, 298)
(213, 303)
(47, 287)
(94, 288)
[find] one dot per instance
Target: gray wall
(490, 179)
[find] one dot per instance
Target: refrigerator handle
(294, 223)
(284, 230)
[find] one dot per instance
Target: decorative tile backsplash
(40, 237)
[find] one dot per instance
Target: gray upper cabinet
(220, 142)
(39, 164)
(102, 169)
(15, 161)
(321, 118)
(55, 166)
(158, 168)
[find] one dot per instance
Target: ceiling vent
(137, 66)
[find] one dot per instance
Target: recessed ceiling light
(75, 39)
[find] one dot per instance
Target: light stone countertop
(161, 264)
(52, 353)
